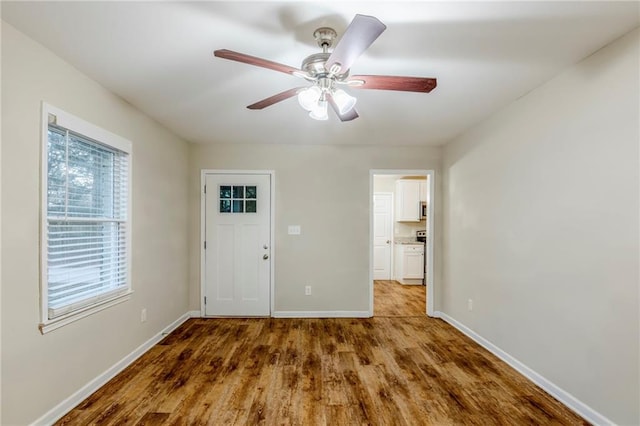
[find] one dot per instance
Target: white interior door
(238, 246)
(382, 205)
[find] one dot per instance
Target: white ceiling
(158, 56)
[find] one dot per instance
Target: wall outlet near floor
(143, 315)
(470, 304)
(307, 290)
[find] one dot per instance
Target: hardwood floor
(378, 371)
(392, 299)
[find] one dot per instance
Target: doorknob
(265, 257)
(265, 247)
(388, 241)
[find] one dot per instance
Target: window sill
(50, 325)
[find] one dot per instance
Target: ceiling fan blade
(348, 116)
(252, 60)
(393, 82)
(275, 98)
(358, 36)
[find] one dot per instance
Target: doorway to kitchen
(401, 242)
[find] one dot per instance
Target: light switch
(294, 230)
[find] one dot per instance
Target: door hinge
(205, 189)
(205, 300)
(205, 245)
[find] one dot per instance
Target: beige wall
(39, 371)
(541, 230)
(325, 190)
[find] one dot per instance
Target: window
(238, 199)
(86, 221)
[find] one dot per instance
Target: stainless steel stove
(422, 237)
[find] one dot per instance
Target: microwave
(423, 210)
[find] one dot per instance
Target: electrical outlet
(470, 304)
(143, 315)
(307, 290)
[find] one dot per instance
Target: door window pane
(225, 192)
(251, 192)
(225, 206)
(238, 206)
(238, 192)
(250, 206)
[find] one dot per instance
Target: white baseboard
(566, 398)
(561, 395)
(321, 314)
(68, 404)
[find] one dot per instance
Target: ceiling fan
(328, 71)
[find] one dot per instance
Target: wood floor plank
(406, 369)
(392, 299)
(153, 419)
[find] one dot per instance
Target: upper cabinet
(423, 191)
(408, 196)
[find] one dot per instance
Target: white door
(238, 246)
(382, 204)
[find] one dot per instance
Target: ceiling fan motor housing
(313, 65)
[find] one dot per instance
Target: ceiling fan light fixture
(309, 97)
(344, 101)
(319, 111)
(325, 71)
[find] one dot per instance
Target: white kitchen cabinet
(409, 263)
(423, 191)
(407, 200)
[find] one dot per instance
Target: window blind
(87, 205)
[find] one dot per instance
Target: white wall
(541, 230)
(325, 189)
(39, 371)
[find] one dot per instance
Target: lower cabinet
(409, 263)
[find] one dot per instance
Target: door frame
(430, 232)
(272, 255)
(391, 239)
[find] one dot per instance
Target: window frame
(104, 137)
